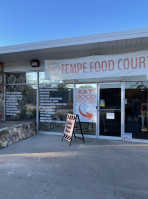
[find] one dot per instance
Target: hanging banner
(129, 64)
(85, 106)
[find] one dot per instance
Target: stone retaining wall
(9, 135)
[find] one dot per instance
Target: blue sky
(25, 21)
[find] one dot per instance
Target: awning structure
(101, 44)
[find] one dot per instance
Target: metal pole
(4, 111)
(37, 104)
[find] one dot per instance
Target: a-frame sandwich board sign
(70, 128)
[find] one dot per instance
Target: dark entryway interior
(136, 109)
(110, 112)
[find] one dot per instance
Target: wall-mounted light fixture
(35, 63)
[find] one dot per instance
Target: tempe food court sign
(129, 64)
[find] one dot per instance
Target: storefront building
(103, 78)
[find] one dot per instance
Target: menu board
(49, 100)
(69, 128)
(12, 103)
(69, 125)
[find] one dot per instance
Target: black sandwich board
(70, 128)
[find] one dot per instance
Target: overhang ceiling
(104, 44)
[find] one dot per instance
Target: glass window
(110, 123)
(21, 102)
(56, 101)
(136, 109)
(43, 80)
(17, 78)
(110, 109)
(31, 77)
(110, 96)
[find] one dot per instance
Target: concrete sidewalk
(43, 167)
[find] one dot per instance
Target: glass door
(109, 110)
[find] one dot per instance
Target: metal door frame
(122, 112)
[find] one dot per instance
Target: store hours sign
(85, 106)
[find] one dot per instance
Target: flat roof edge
(98, 38)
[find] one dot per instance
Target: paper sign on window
(85, 106)
(110, 116)
(102, 103)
